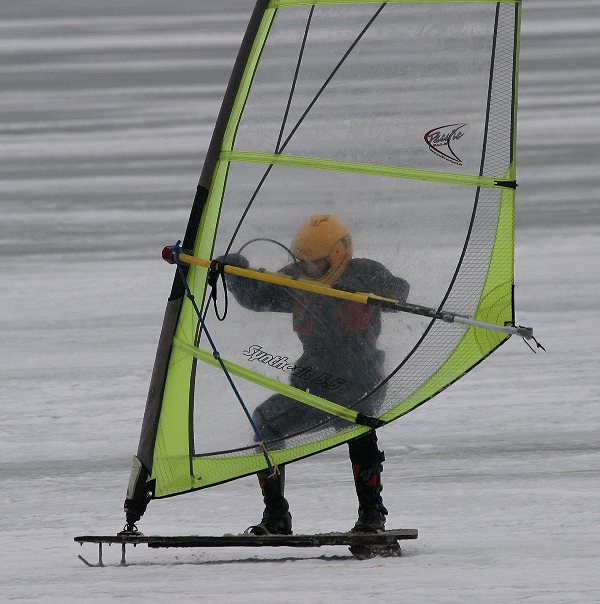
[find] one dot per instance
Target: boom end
(170, 252)
(167, 254)
(524, 332)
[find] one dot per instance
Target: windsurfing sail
(400, 119)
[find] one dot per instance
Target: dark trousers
(280, 416)
(364, 450)
(274, 417)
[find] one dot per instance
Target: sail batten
(288, 3)
(358, 168)
(252, 376)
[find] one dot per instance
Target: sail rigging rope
(281, 130)
(214, 272)
(295, 80)
(176, 249)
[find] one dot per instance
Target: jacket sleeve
(252, 294)
(384, 283)
(400, 287)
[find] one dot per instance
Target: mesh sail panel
(398, 119)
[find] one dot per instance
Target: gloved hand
(235, 260)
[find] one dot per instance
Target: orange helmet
(323, 244)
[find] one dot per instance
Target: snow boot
(276, 519)
(371, 511)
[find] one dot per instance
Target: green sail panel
(399, 118)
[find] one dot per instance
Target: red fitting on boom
(167, 254)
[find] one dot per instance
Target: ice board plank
(310, 540)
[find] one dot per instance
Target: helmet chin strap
(334, 273)
(338, 267)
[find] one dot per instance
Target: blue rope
(176, 250)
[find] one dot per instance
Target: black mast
(140, 490)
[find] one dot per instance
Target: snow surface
(106, 111)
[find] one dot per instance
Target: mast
(140, 491)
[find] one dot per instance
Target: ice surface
(106, 111)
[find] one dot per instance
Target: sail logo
(441, 141)
(256, 353)
(323, 379)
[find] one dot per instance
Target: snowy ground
(106, 109)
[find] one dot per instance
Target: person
(340, 360)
